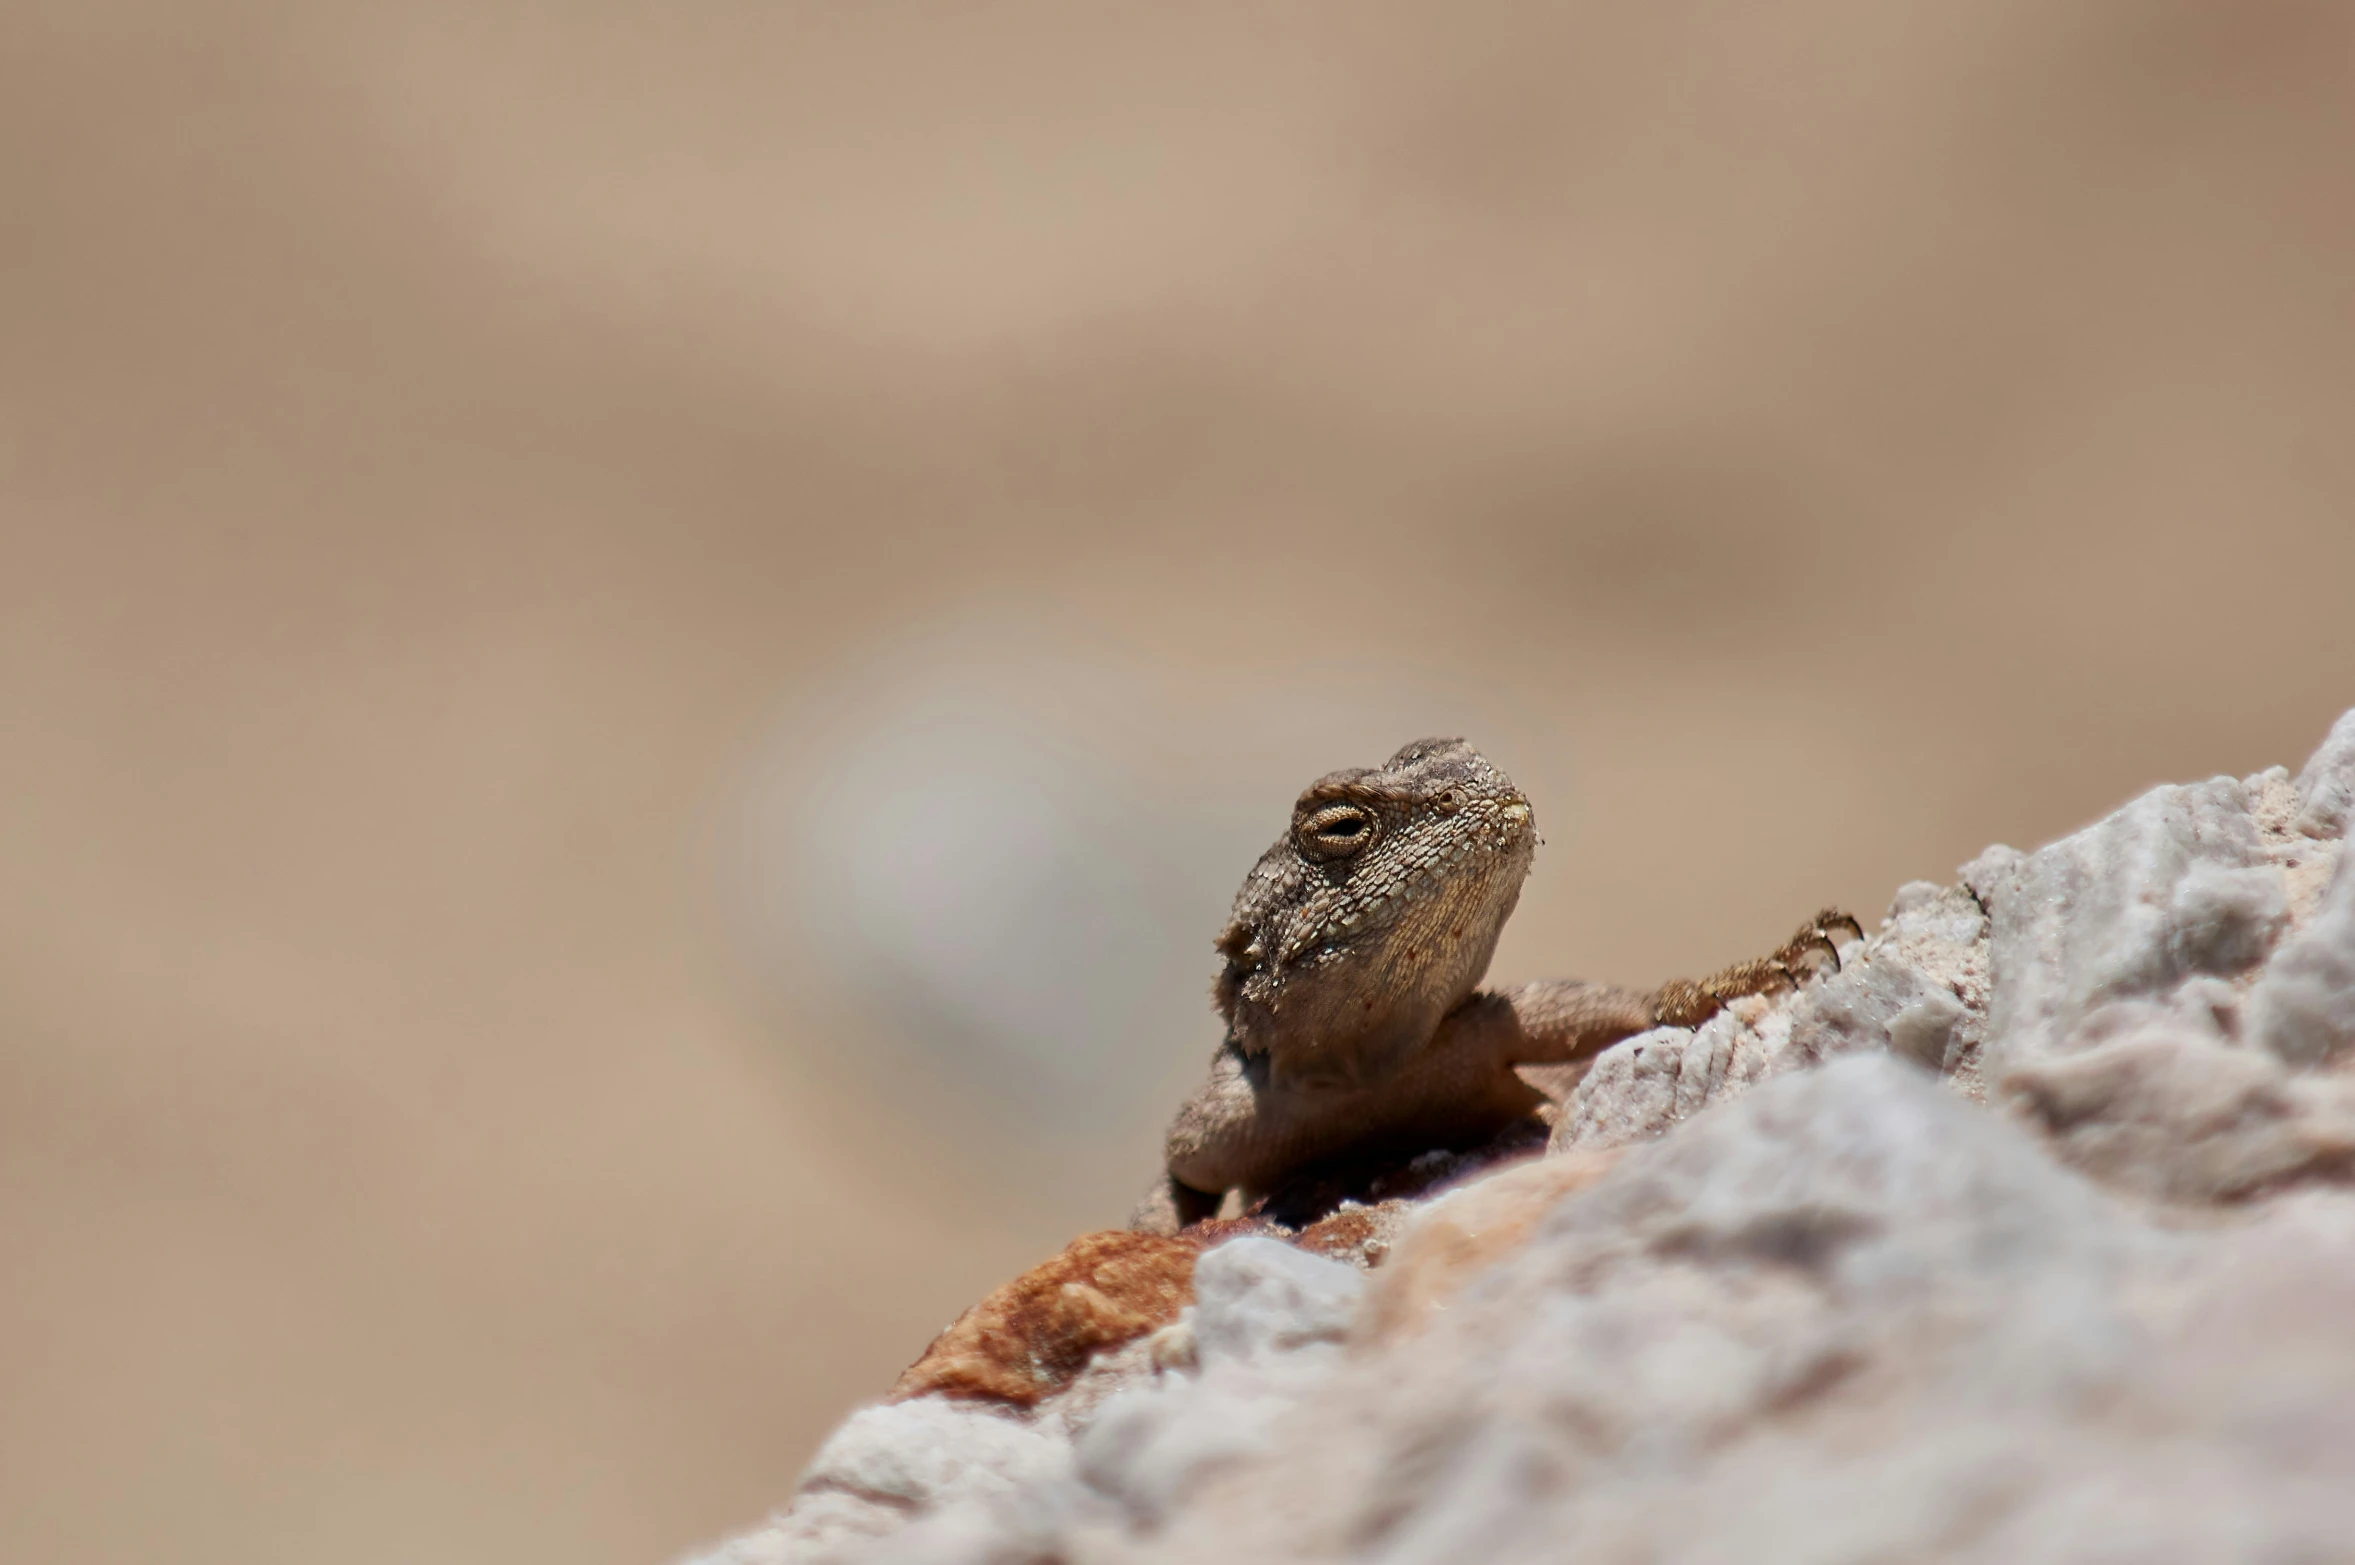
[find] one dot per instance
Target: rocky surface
(1039, 1333)
(2026, 1236)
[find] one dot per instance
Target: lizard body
(1349, 985)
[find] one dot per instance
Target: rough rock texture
(1918, 986)
(1466, 1231)
(2028, 1236)
(1849, 1317)
(888, 1464)
(2167, 1111)
(1033, 1337)
(2175, 884)
(2326, 788)
(2303, 1009)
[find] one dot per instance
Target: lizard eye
(1337, 830)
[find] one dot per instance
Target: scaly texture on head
(1375, 914)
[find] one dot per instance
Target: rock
(1466, 1231)
(1268, 1325)
(1357, 1233)
(1918, 985)
(1847, 1317)
(2181, 1116)
(1929, 1032)
(2222, 920)
(2026, 1236)
(2303, 1009)
(1846, 1268)
(1630, 1093)
(886, 1464)
(2326, 788)
(1858, 1009)
(1034, 1336)
(2173, 884)
(1258, 1297)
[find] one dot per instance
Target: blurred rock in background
(637, 656)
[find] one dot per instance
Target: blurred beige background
(637, 653)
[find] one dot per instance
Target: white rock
(1848, 1317)
(1255, 1297)
(2171, 885)
(1919, 986)
(2326, 788)
(2175, 1114)
(2303, 1008)
(1821, 1307)
(1268, 1324)
(888, 1464)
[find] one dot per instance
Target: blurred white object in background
(999, 848)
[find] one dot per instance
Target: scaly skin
(1352, 956)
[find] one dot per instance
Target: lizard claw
(1832, 918)
(1683, 1003)
(1814, 940)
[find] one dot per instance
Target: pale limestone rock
(2303, 1008)
(2174, 884)
(1786, 1298)
(1630, 1092)
(2175, 1114)
(2132, 959)
(1268, 1325)
(1464, 1232)
(888, 1464)
(1257, 1298)
(1918, 985)
(2326, 788)
(1923, 974)
(1150, 1450)
(1848, 1317)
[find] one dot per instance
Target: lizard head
(1377, 912)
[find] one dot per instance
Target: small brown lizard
(1352, 956)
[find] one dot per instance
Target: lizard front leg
(1243, 1129)
(1217, 1132)
(1534, 1042)
(1170, 1206)
(1250, 1125)
(1558, 1021)
(1681, 1002)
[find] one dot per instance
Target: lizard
(1349, 986)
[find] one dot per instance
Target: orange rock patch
(1032, 1337)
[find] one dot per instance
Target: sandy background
(636, 657)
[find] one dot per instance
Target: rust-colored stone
(1339, 1232)
(1217, 1230)
(1032, 1337)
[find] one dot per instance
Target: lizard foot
(1681, 1002)
(1169, 1207)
